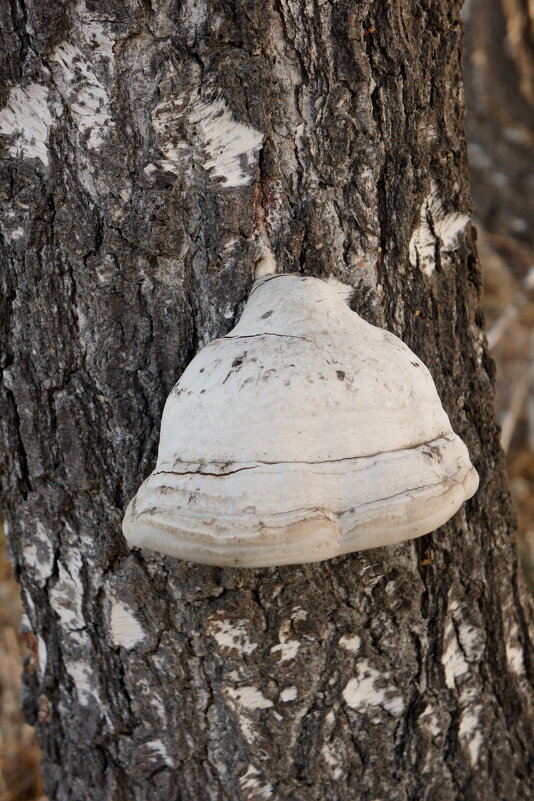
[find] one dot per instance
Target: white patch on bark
(158, 748)
(248, 697)
(463, 642)
(514, 651)
(30, 606)
(82, 675)
(469, 733)
(229, 148)
(436, 229)
(230, 635)
(329, 751)
(332, 762)
(25, 626)
(84, 93)
(39, 555)
(247, 728)
(245, 702)
(125, 629)
(472, 641)
(429, 720)
(17, 233)
(287, 648)
(288, 694)
(66, 595)
(232, 146)
(254, 788)
(371, 688)
(453, 659)
(150, 169)
(96, 35)
(41, 655)
(350, 642)
(26, 120)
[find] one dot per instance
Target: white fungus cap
(303, 434)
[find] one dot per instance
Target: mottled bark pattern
(143, 141)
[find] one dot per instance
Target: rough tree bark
(142, 140)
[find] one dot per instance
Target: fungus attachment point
(305, 434)
(266, 264)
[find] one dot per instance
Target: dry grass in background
(509, 307)
(20, 756)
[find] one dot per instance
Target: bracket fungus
(303, 434)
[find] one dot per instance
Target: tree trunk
(143, 142)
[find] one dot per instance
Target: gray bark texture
(142, 143)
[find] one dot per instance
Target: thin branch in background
(502, 324)
(512, 414)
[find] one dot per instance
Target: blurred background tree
(499, 87)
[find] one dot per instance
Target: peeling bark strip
(400, 673)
